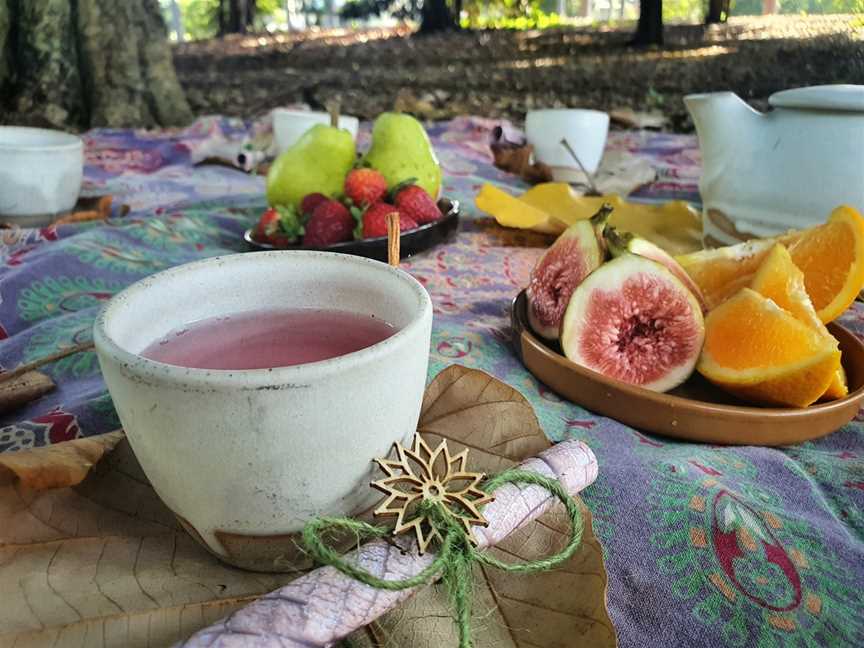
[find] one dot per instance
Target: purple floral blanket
(705, 545)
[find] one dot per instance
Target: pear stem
(393, 239)
(593, 187)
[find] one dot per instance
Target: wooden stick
(393, 239)
(333, 109)
(20, 370)
(588, 176)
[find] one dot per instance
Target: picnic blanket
(705, 545)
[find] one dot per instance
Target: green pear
(401, 150)
(318, 162)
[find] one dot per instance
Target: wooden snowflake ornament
(422, 474)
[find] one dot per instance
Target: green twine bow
(456, 553)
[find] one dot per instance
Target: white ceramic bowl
(584, 130)
(246, 458)
(40, 174)
(289, 125)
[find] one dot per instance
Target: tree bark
(649, 30)
(84, 63)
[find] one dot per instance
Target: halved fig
(624, 242)
(634, 321)
(573, 256)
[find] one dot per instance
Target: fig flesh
(633, 320)
(620, 243)
(574, 255)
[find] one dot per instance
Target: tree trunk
(436, 16)
(718, 11)
(649, 30)
(84, 63)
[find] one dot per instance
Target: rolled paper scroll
(324, 606)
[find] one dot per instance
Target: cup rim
(68, 141)
(566, 111)
(290, 377)
(296, 112)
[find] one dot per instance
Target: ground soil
(504, 73)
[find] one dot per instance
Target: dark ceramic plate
(411, 242)
(697, 410)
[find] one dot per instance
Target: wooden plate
(696, 410)
(411, 242)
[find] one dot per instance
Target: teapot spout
(721, 120)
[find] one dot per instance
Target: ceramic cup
(245, 458)
(289, 125)
(584, 130)
(40, 174)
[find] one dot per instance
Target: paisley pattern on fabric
(704, 546)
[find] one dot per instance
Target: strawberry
(330, 223)
(310, 202)
(278, 226)
(375, 220)
(414, 202)
(365, 186)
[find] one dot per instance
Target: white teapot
(763, 174)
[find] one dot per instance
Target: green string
(456, 555)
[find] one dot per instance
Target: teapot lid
(842, 97)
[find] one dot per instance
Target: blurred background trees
(195, 19)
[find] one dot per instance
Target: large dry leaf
(106, 564)
(58, 465)
(563, 607)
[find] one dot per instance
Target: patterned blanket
(705, 545)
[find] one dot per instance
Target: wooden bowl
(697, 410)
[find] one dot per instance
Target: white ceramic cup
(246, 458)
(40, 174)
(289, 125)
(584, 130)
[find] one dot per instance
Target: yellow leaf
(675, 226)
(509, 211)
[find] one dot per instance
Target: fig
(620, 243)
(575, 254)
(633, 320)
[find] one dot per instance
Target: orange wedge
(722, 272)
(781, 281)
(760, 352)
(838, 388)
(831, 257)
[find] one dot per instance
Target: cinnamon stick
(393, 239)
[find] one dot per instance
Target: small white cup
(246, 458)
(289, 125)
(584, 130)
(41, 172)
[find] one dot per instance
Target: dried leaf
(23, 389)
(57, 465)
(105, 563)
(562, 607)
(473, 410)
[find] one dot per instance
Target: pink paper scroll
(323, 606)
